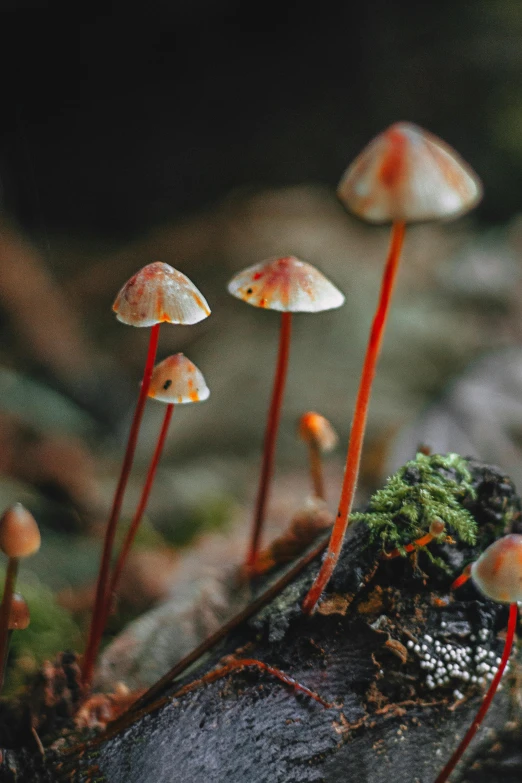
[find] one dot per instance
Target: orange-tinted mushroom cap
(314, 427)
(286, 284)
(498, 571)
(19, 533)
(159, 293)
(410, 175)
(177, 380)
(19, 617)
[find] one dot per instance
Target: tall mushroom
(405, 175)
(19, 537)
(175, 381)
(156, 294)
(498, 575)
(289, 286)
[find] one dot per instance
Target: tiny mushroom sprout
(290, 286)
(405, 175)
(19, 537)
(175, 381)
(498, 575)
(320, 436)
(19, 619)
(156, 294)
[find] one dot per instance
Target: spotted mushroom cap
(314, 427)
(498, 571)
(286, 284)
(176, 380)
(159, 293)
(411, 175)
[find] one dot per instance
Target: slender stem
(353, 457)
(242, 663)
(140, 510)
(98, 615)
(272, 426)
(452, 763)
(316, 470)
(5, 611)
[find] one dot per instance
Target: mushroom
(290, 286)
(156, 294)
(19, 619)
(175, 381)
(320, 436)
(19, 537)
(405, 175)
(498, 575)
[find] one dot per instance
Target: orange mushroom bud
(286, 284)
(317, 429)
(19, 617)
(176, 380)
(498, 571)
(19, 533)
(407, 174)
(158, 293)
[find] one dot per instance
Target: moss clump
(426, 488)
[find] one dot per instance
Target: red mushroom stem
(353, 457)
(102, 594)
(140, 510)
(452, 763)
(5, 610)
(274, 415)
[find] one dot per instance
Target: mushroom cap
(314, 427)
(408, 174)
(19, 533)
(158, 293)
(498, 571)
(286, 284)
(177, 380)
(19, 617)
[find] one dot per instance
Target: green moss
(426, 488)
(50, 631)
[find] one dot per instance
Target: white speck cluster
(450, 664)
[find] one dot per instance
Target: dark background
(115, 119)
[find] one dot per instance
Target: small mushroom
(156, 294)
(19, 537)
(405, 175)
(320, 436)
(19, 619)
(175, 381)
(290, 286)
(498, 575)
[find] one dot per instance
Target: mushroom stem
(316, 470)
(423, 541)
(452, 763)
(462, 579)
(98, 615)
(5, 611)
(272, 426)
(140, 510)
(353, 457)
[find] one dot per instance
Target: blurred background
(210, 135)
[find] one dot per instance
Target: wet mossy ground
(362, 651)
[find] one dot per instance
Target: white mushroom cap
(286, 284)
(159, 293)
(411, 175)
(498, 571)
(316, 428)
(176, 380)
